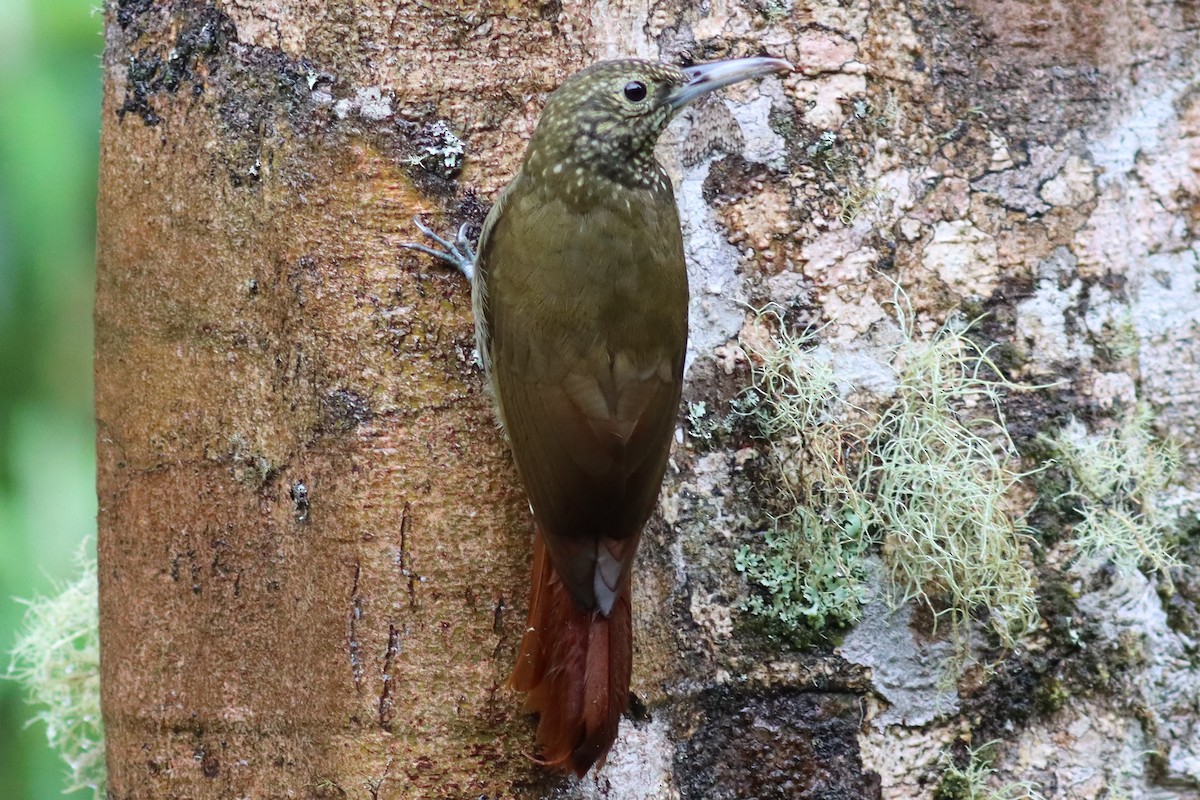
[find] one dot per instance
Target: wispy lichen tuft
(976, 781)
(928, 477)
(811, 563)
(940, 479)
(1119, 481)
(57, 659)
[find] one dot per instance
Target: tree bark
(313, 546)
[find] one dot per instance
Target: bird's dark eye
(635, 91)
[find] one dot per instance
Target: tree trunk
(314, 549)
(313, 545)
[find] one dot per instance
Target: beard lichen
(1118, 480)
(927, 477)
(940, 476)
(975, 780)
(811, 563)
(57, 659)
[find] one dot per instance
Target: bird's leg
(457, 254)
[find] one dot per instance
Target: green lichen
(1051, 695)
(810, 565)
(57, 659)
(940, 483)
(812, 570)
(927, 477)
(975, 780)
(709, 427)
(1118, 480)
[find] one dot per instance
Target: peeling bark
(313, 546)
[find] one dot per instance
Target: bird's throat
(582, 183)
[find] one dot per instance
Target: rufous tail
(575, 665)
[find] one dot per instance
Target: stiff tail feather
(575, 665)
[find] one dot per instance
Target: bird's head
(608, 117)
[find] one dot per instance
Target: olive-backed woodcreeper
(581, 306)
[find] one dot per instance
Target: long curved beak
(705, 78)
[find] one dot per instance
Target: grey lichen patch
(913, 675)
(438, 149)
(1163, 683)
(370, 103)
(964, 257)
(264, 99)
(57, 660)
(690, 149)
(638, 768)
(1092, 748)
(1019, 186)
(1044, 329)
(717, 293)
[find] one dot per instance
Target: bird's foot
(457, 254)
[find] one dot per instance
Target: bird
(580, 298)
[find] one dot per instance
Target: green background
(49, 136)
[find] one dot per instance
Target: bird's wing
(592, 466)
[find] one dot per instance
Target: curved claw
(462, 259)
(465, 243)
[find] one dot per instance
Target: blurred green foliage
(49, 137)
